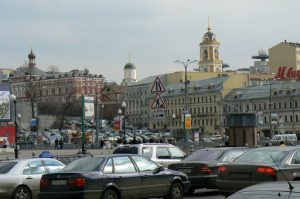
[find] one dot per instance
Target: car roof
(28, 159)
(278, 148)
(273, 186)
(222, 148)
(146, 144)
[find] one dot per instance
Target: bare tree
(52, 69)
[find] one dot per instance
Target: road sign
(158, 102)
(158, 87)
(159, 114)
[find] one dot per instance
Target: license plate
(185, 170)
(240, 176)
(59, 182)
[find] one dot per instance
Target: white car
(20, 178)
(161, 153)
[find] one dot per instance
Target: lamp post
(124, 119)
(185, 64)
(173, 118)
(119, 114)
(14, 99)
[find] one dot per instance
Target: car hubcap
(177, 192)
(22, 195)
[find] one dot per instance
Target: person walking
(56, 143)
(61, 143)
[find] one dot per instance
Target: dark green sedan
(202, 165)
(259, 165)
(114, 176)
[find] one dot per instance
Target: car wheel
(110, 194)
(22, 193)
(176, 191)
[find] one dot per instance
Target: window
(147, 151)
(123, 165)
(53, 166)
(144, 164)
(108, 168)
(232, 155)
(162, 153)
(34, 167)
(176, 153)
(296, 158)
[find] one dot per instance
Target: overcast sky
(100, 34)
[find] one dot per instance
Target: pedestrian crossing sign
(158, 87)
(158, 102)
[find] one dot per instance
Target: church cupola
(209, 53)
(31, 57)
(129, 73)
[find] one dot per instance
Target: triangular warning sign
(158, 87)
(158, 102)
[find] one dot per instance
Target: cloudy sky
(100, 34)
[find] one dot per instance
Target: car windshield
(262, 156)
(205, 155)
(6, 166)
(84, 164)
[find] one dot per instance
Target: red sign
(287, 73)
(7, 134)
(117, 125)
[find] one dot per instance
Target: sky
(102, 35)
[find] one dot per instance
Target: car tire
(110, 194)
(176, 191)
(22, 192)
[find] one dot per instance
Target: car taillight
(267, 171)
(77, 182)
(205, 169)
(44, 182)
(222, 169)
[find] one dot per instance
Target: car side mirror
(158, 169)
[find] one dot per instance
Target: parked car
(289, 139)
(114, 176)
(161, 153)
(20, 178)
(269, 190)
(202, 165)
(259, 165)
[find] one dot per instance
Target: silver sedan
(20, 178)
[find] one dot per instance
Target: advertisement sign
(89, 107)
(5, 111)
(188, 121)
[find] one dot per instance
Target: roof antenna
(291, 187)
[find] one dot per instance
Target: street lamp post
(124, 119)
(119, 114)
(14, 99)
(185, 64)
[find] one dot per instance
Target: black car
(270, 190)
(259, 165)
(201, 166)
(114, 176)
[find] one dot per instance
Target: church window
(205, 54)
(216, 54)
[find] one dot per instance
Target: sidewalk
(23, 154)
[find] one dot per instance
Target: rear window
(84, 164)
(130, 150)
(205, 155)
(262, 156)
(6, 166)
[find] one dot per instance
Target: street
(205, 194)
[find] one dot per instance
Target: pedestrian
(101, 144)
(56, 143)
(61, 143)
(282, 143)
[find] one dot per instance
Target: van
(286, 138)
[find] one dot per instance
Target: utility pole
(186, 111)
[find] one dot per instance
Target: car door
(163, 156)
(292, 168)
(32, 174)
(153, 184)
(126, 177)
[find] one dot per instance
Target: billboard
(89, 107)
(5, 103)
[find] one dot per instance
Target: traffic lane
(205, 194)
